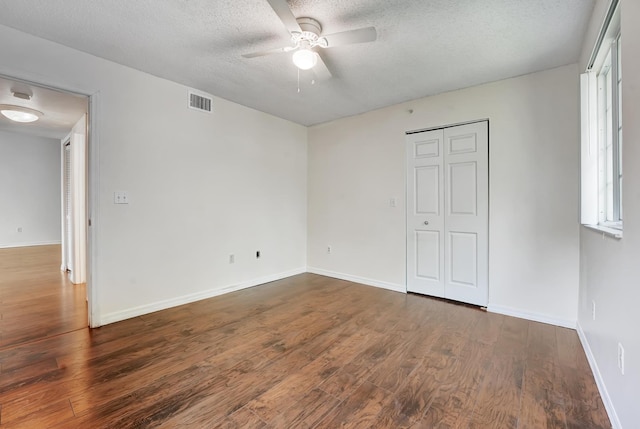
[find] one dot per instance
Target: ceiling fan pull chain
(298, 81)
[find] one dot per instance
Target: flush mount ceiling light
(19, 113)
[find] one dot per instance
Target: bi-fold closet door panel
(425, 213)
(447, 212)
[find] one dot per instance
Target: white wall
(29, 190)
(609, 268)
(357, 164)
(201, 186)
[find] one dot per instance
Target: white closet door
(425, 217)
(447, 213)
(466, 184)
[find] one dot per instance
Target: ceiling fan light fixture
(19, 113)
(305, 59)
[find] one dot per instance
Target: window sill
(606, 230)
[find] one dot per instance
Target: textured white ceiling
(424, 47)
(61, 110)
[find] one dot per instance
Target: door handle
(426, 222)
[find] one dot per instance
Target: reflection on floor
(304, 352)
(36, 299)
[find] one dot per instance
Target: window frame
(601, 127)
(610, 137)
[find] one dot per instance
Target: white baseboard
(356, 279)
(35, 243)
(536, 317)
(117, 316)
(604, 394)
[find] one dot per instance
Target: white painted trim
(186, 299)
(602, 388)
(93, 185)
(79, 212)
(63, 202)
(93, 206)
(588, 149)
(606, 230)
(536, 317)
(30, 78)
(356, 279)
(457, 124)
(34, 243)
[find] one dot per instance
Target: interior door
(425, 218)
(68, 229)
(466, 184)
(447, 213)
(78, 183)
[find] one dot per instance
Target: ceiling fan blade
(281, 8)
(320, 70)
(367, 34)
(269, 52)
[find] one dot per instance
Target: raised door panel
(428, 255)
(463, 256)
(462, 143)
(427, 190)
(462, 189)
(428, 148)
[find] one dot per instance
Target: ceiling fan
(306, 35)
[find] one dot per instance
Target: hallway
(36, 299)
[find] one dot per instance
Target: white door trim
(93, 177)
(443, 127)
(79, 205)
(66, 259)
(93, 205)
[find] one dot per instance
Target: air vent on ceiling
(199, 101)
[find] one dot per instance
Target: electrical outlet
(392, 202)
(593, 309)
(232, 258)
(120, 197)
(329, 249)
(621, 358)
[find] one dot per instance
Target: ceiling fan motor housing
(309, 37)
(310, 27)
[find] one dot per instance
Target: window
(601, 122)
(610, 138)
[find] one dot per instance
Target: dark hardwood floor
(304, 352)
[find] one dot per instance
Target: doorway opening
(44, 263)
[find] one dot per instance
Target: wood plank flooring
(33, 290)
(304, 352)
